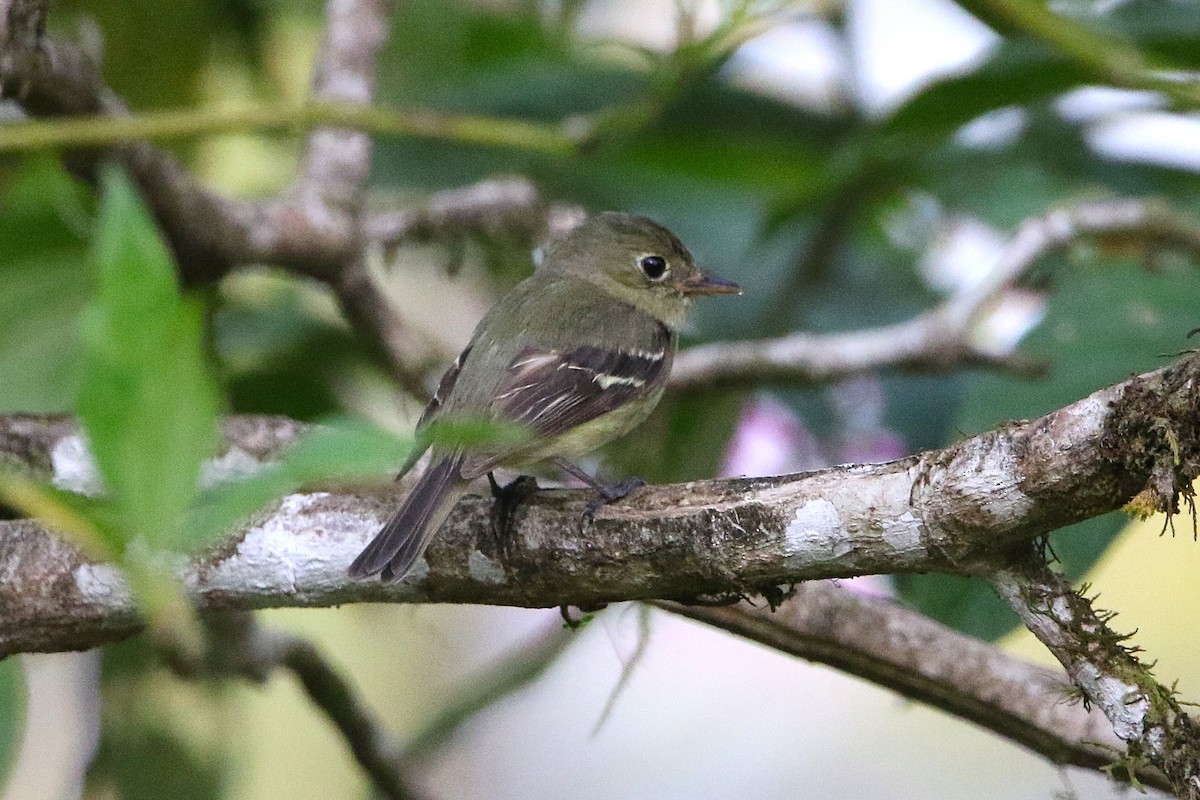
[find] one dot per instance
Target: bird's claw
(508, 498)
(610, 494)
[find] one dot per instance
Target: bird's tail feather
(404, 538)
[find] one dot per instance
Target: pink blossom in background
(770, 440)
(864, 439)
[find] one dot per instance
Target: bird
(576, 354)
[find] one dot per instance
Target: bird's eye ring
(653, 267)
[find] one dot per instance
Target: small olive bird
(577, 354)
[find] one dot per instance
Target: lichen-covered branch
(1144, 714)
(947, 336)
(963, 509)
(902, 650)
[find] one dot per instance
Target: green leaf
(90, 523)
(12, 714)
(147, 760)
(966, 604)
(1018, 73)
(338, 450)
(44, 219)
(971, 606)
(148, 404)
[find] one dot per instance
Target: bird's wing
(550, 391)
(445, 387)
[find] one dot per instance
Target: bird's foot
(606, 494)
(508, 498)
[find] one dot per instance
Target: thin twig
(1109, 58)
(511, 674)
(239, 646)
(107, 131)
(947, 336)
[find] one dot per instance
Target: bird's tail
(404, 538)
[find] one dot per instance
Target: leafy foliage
(798, 204)
(147, 403)
(45, 219)
(12, 713)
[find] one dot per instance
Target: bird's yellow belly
(592, 434)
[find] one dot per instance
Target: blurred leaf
(147, 404)
(44, 220)
(966, 604)
(149, 747)
(12, 714)
(154, 53)
(1105, 319)
(474, 433)
(280, 351)
(337, 450)
(1017, 73)
(684, 439)
(148, 761)
(90, 524)
(971, 606)
(1161, 30)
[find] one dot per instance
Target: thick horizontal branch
(949, 335)
(960, 510)
(902, 650)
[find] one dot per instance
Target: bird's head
(636, 260)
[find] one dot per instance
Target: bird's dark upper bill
(709, 284)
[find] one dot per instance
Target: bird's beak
(699, 283)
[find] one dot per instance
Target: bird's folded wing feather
(445, 387)
(551, 391)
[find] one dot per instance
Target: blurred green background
(848, 164)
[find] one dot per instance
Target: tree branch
(1143, 713)
(238, 645)
(510, 206)
(902, 650)
(949, 335)
(961, 510)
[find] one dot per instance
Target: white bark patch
(74, 468)
(103, 585)
(302, 549)
(484, 569)
(903, 533)
(235, 464)
(816, 533)
(1124, 704)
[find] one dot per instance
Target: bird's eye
(654, 267)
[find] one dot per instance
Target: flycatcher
(577, 354)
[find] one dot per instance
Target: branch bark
(902, 650)
(948, 336)
(964, 509)
(1144, 713)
